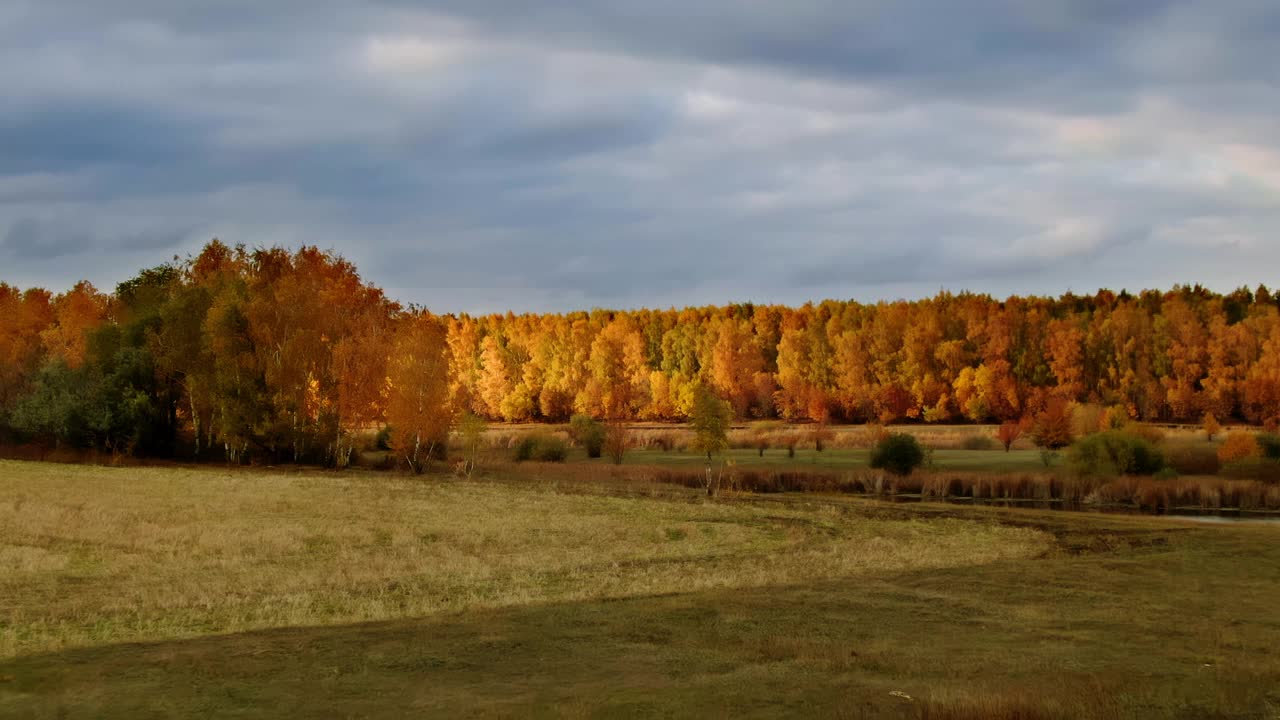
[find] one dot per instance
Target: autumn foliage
(289, 355)
(1052, 428)
(1238, 446)
(1009, 432)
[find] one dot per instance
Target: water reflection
(1196, 514)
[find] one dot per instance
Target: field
(159, 592)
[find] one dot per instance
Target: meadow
(574, 591)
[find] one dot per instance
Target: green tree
(898, 453)
(710, 420)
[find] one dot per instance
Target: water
(1193, 514)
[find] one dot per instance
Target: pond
(1195, 514)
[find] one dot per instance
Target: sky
(486, 155)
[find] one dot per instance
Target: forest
(284, 354)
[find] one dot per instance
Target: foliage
(284, 355)
(616, 440)
(541, 447)
(899, 453)
(711, 419)
(1211, 426)
(418, 407)
(471, 430)
(1268, 445)
(710, 422)
(1009, 432)
(1115, 452)
(1238, 446)
(1052, 427)
(589, 433)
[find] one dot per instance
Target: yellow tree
(419, 408)
(23, 316)
(736, 363)
(358, 358)
(75, 313)
(618, 384)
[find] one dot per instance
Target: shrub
(978, 442)
(1150, 433)
(899, 453)
(1238, 446)
(1193, 460)
(1166, 473)
(588, 432)
(1115, 452)
(1269, 445)
(1253, 468)
(543, 448)
(616, 440)
(382, 441)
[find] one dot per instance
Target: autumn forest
(288, 354)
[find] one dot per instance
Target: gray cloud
(482, 156)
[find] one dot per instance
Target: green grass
(177, 593)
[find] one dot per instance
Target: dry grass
(1207, 493)
(95, 555)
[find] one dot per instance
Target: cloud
(482, 156)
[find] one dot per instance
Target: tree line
(289, 355)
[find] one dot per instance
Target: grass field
(161, 592)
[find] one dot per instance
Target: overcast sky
(480, 155)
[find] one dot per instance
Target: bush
(1269, 444)
(588, 432)
(1115, 452)
(543, 448)
(1193, 460)
(1150, 433)
(899, 453)
(1238, 446)
(1166, 473)
(1253, 468)
(977, 442)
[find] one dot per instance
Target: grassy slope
(1130, 617)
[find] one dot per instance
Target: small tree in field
(899, 453)
(710, 419)
(418, 408)
(762, 437)
(1051, 431)
(820, 434)
(1009, 433)
(471, 430)
(616, 440)
(1211, 426)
